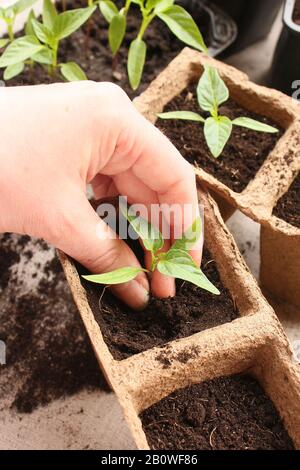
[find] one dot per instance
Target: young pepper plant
(41, 42)
(211, 93)
(176, 262)
(9, 15)
(175, 17)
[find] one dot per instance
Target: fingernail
(133, 294)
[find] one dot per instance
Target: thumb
(88, 239)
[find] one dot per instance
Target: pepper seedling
(211, 93)
(176, 262)
(9, 15)
(178, 20)
(41, 42)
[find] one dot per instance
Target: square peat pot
(252, 163)
(280, 244)
(254, 341)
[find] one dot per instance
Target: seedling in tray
(211, 93)
(41, 42)
(176, 262)
(9, 14)
(175, 17)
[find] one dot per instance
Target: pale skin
(55, 139)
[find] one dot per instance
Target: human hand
(57, 138)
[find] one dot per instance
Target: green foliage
(178, 20)
(176, 262)
(9, 14)
(211, 93)
(41, 42)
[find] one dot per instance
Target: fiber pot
(254, 19)
(280, 247)
(286, 65)
(254, 342)
(277, 166)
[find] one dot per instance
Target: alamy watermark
(296, 87)
(2, 353)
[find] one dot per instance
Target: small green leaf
(3, 42)
(28, 27)
(69, 21)
(211, 90)
(42, 32)
(44, 56)
(116, 32)
(151, 236)
(254, 125)
(119, 276)
(184, 115)
(217, 132)
(72, 72)
(21, 5)
(183, 26)
(108, 9)
(179, 264)
(49, 14)
(20, 50)
(13, 70)
(163, 5)
(190, 236)
(136, 62)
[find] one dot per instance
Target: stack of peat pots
(254, 343)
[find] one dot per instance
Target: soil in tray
(243, 155)
(127, 332)
(296, 15)
(89, 48)
(227, 413)
(288, 206)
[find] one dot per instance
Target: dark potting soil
(227, 413)
(48, 353)
(244, 153)
(296, 15)
(89, 48)
(127, 332)
(288, 206)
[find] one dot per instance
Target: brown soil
(288, 206)
(127, 332)
(296, 15)
(228, 413)
(48, 352)
(243, 155)
(89, 48)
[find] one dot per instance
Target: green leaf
(254, 125)
(151, 236)
(211, 90)
(69, 21)
(21, 5)
(136, 62)
(183, 26)
(108, 9)
(217, 132)
(42, 32)
(44, 56)
(184, 115)
(179, 264)
(116, 32)
(190, 236)
(72, 72)
(13, 70)
(3, 42)
(163, 5)
(20, 50)
(28, 27)
(49, 14)
(119, 276)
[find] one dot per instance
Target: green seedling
(176, 262)
(211, 93)
(9, 15)
(178, 20)
(41, 42)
